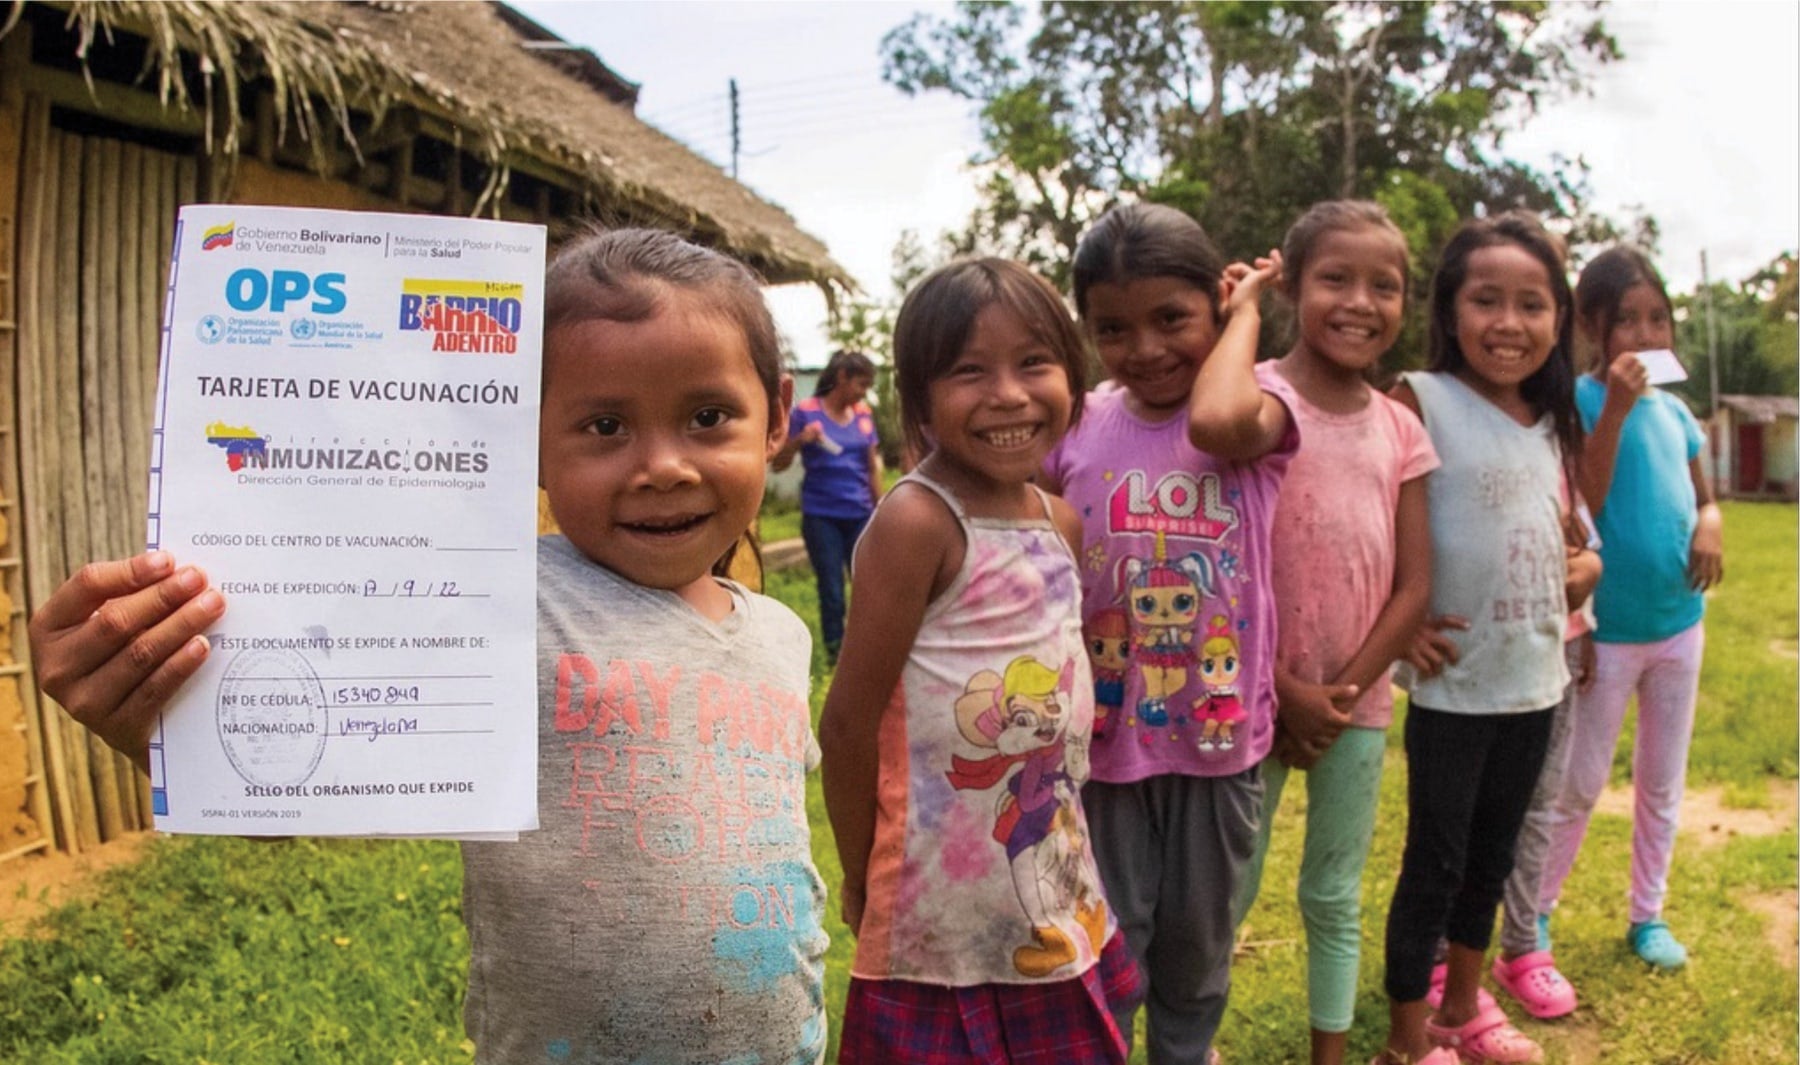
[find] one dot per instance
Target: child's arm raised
(1626, 381)
(907, 556)
(1229, 415)
(115, 641)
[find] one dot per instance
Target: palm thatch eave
(461, 62)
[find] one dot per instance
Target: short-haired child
(957, 727)
(1175, 470)
(672, 704)
(1352, 573)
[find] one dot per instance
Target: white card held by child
(344, 442)
(1663, 366)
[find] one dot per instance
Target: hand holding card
(1662, 366)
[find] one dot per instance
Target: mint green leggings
(1342, 791)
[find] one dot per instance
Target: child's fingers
(113, 627)
(130, 726)
(138, 679)
(94, 584)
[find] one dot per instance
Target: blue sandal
(1654, 943)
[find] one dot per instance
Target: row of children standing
(1229, 615)
(1041, 828)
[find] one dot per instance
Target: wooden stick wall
(96, 220)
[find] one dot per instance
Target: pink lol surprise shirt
(1176, 553)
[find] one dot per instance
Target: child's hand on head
(1431, 649)
(1243, 283)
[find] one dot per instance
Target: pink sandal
(1487, 1039)
(1533, 979)
(1434, 995)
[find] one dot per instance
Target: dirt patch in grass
(31, 886)
(1573, 1040)
(1785, 648)
(1706, 818)
(1780, 911)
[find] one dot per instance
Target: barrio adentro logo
(474, 317)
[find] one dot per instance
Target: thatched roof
(468, 63)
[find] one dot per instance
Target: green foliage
(866, 324)
(1758, 347)
(1245, 113)
(227, 950)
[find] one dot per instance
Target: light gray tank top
(1497, 553)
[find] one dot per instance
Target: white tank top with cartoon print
(981, 872)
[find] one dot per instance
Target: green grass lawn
(225, 951)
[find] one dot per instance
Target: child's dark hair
(1334, 216)
(843, 363)
(1603, 285)
(1145, 240)
(1551, 390)
(624, 275)
(938, 317)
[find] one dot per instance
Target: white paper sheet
(346, 442)
(1663, 367)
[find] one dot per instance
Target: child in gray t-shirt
(668, 909)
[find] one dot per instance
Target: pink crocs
(1434, 995)
(1487, 1039)
(1534, 980)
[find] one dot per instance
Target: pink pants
(1666, 678)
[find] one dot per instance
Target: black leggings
(1469, 783)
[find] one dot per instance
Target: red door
(1749, 458)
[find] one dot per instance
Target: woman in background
(833, 432)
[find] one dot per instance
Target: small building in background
(1753, 447)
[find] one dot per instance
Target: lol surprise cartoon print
(1021, 716)
(1164, 598)
(1220, 710)
(1108, 634)
(1178, 542)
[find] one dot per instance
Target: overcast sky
(1699, 125)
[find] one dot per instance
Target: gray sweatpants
(1518, 925)
(1172, 850)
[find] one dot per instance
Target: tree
(866, 324)
(1244, 113)
(1758, 348)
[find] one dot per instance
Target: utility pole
(1712, 366)
(736, 141)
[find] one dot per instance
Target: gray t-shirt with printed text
(667, 910)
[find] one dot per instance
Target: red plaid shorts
(899, 1022)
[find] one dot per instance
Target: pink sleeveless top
(981, 872)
